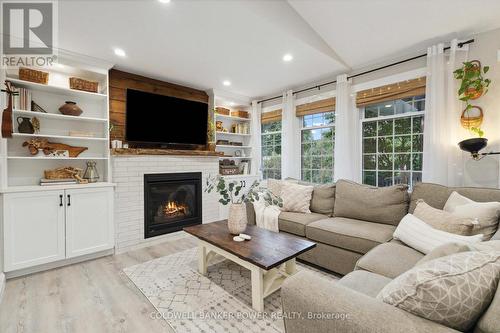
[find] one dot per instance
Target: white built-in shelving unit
(242, 152)
(19, 167)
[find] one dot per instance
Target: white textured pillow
(296, 198)
(424, 238)
(486, 213)
(453, 290)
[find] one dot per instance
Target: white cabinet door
(89, 221)
(33, 228)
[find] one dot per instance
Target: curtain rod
(319, 86)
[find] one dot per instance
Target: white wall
(486, 48)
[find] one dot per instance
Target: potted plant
(230, 194)
(473, 85)
(211, 132)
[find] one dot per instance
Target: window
(393, 142)
(271, 150)
(318, 141)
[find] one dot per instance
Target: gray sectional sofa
(355, 240)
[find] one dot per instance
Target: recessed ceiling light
(120, 52)
(226, 83)
(287, 57)
(232, 103)
(164, 1)
(388, 105)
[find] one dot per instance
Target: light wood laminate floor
(90, 297)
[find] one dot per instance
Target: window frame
(304, 128)
(394, 117)
(262, 134)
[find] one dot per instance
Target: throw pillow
(323, 199)
(486, 213)
(424, 238)
(442, 220)
(443, 251)
(296, 198)
(274, 186)
(453, 291)
(385, 205)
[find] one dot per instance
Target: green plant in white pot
(230, 191)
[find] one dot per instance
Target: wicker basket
(32, 75)
(81, 84)
(239, 113)
(222, 111)
(227, 170)
(468, 121)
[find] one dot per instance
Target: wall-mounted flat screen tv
(164, 120)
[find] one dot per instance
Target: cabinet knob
(60, 200)
(69, 200)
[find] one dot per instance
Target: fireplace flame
(173, 208)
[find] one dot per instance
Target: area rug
(219, 302)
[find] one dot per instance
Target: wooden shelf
(53, 136)
(235, 147)
(55, 89)
(235, 134)
(30, 188)
(231, 117)
(148, 151)
(47, 158)
(57, 116)
(235, 158)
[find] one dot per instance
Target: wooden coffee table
(270, 256)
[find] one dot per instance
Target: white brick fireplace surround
(128, 174)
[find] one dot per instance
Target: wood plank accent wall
(119, 82)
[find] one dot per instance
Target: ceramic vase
(70, 109)
(237, 219)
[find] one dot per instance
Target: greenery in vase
(472, 86)
(229, 192)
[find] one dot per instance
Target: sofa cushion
(385, 205)
(389, 259)
(443, 220)
(367, 283)
(422, 237)
(437, 195)
(323, 199)
(443, 251)
(295, 223)
(486, 213)
(349, 234)
(453, 291)
(490, 320)
(296, 197)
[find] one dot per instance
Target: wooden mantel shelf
(149, 151)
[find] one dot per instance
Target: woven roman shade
(391, 92)
(324, 105)
(271, 116)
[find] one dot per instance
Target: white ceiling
(202, 43)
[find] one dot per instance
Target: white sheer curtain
(290, 159)
(256, 141)
(347, 133)
(443, 163)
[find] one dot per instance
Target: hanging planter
(473, 84)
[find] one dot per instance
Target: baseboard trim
(57, 264)
(2, 285)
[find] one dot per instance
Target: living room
(250, 166)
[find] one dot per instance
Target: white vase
(237, 219)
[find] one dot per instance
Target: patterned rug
(219, 302)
